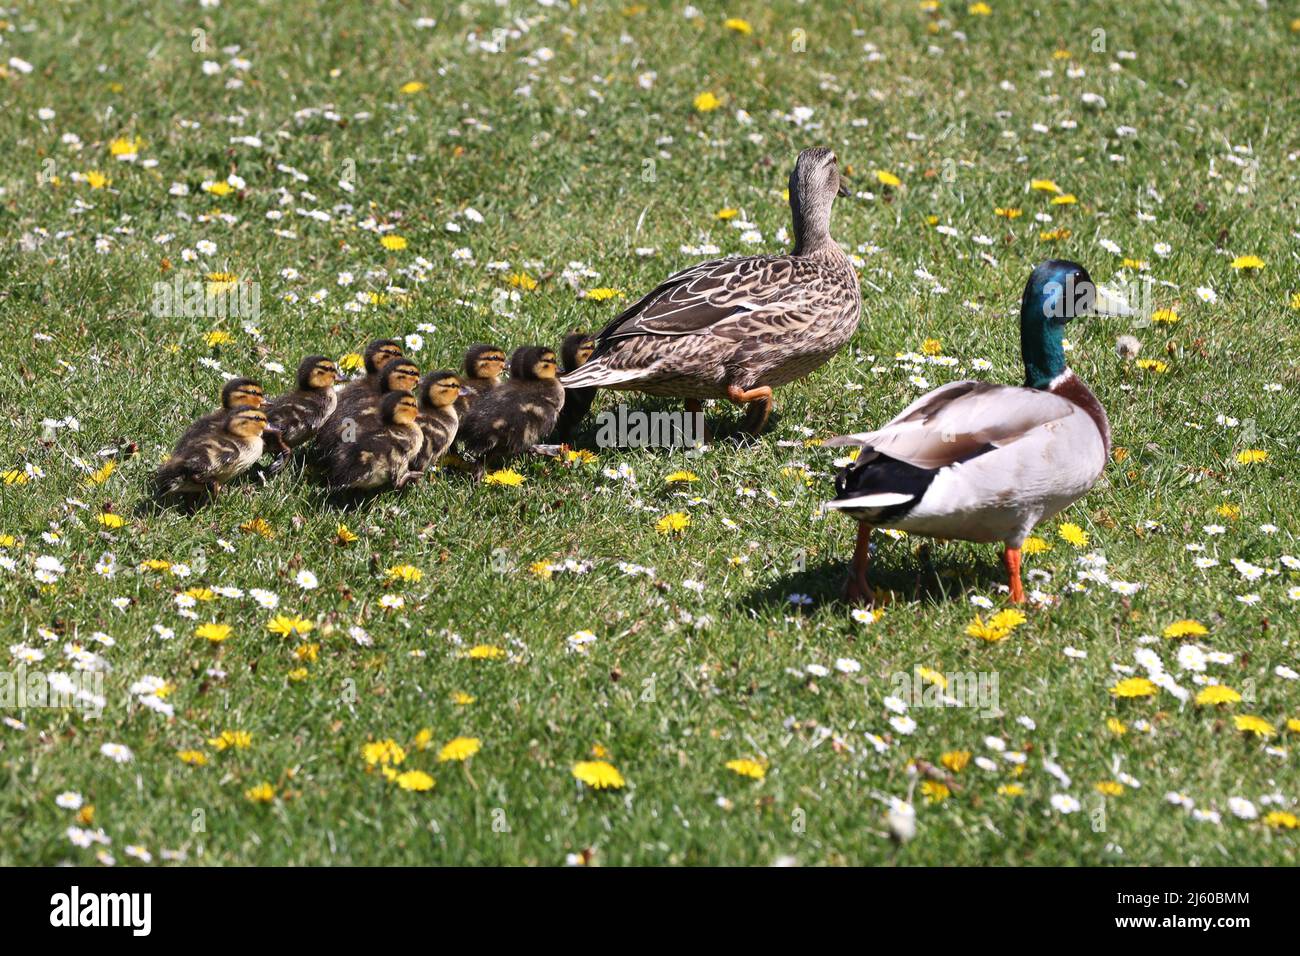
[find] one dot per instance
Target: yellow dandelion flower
(980, 9)
(298, 675)
(1247, 263)
(1008, 212)
(393, 243)
(706, 102)
(1282, 820)
(258, 526)
(934, 791)
(485, 652)
(580, 456)
(231, 740)
(955, 760)
(1293, 725)
(1011, 790)
(1116, 726)
(1168, 316)
(602, 294)
(1035, 546)
(986, 631)
(522, 280)
(125, 147)
(747, 768)
(352, 362)
(1109, 788)
(216, 633)
(506, 476)
(404, 572)
(97, 180)
(1065, 199)
(738, 25)
(344, 534)
(1073, 534)
(598, 774)
(101, 474)
(307, 652)
(1251, 456)
(1250, 724)
(886, 178)
(932, 347)
(155, 564)
(221, 188)
(674, 523)
(1044, 186)
(1217, 694)
(1131, 687)
(1010, 618)
(383, 753)
(1187, 627)
(1295, 300)
(286, 625)
(727, 213)
(110, 520)
(219, 283)
(1138, 264)
(542, 569)
(262, 793)
(195, 758)
(1230, 511)
(1055, 235)
(416, 780)
(932, 675)
(461, 748)
(414, 86)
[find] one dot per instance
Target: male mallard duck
(985, 462)
(513, 417)
(294, 417)
(235, 393)
(382, 451)
(438, 419)
(737, 328)
(574, 353)
(483, 367)
(213, 456)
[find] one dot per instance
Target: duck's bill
(1108, 302)
(844, 190)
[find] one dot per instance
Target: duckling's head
(316, 373)
(400, 375)
(246, 423)
(485, 361)
(242, 393)
(1057, 291)
(379, 353)
(439, 389)
(533, 363)
(398, 408)
(576, 349)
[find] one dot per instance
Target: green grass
(677, 682)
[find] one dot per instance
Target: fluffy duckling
(236, 393)
(483, 367)
(574, 352)
(439, 421)
(213, 456)
(295, 417)
(376, 357)
(513, 417)
(399, 375)
(381, 453)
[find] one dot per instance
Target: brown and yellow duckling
(382, 452)
(294, 417)
(439, 420)
(213, 456)
(398, 375)
(574, 352)
(376, 357)
(235, 393)
(515, 416)
(483, 367)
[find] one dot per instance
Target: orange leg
(856, 589)
(1011, 558)
(757, 416)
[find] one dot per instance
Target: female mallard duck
(438, 419)
(985, 462)
(737, 328)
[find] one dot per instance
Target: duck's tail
(875, 487)
(594, 374)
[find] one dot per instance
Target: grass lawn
(466, 172)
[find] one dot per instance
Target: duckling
(483, 367)
(383, 451)
(439, 393)
(377, 355)
(236, 393)
(213, 457)
(513, 417)
(574, 352)
(399, 375)
(294, 417)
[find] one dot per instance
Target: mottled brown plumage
(235, 393)
(438, 418)
(383, 449)
(483, 367)
(205, 461)
(297, 415)
(737, 328)
(574, 353)
(399, 375)
(513, 417)
(376, 356)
